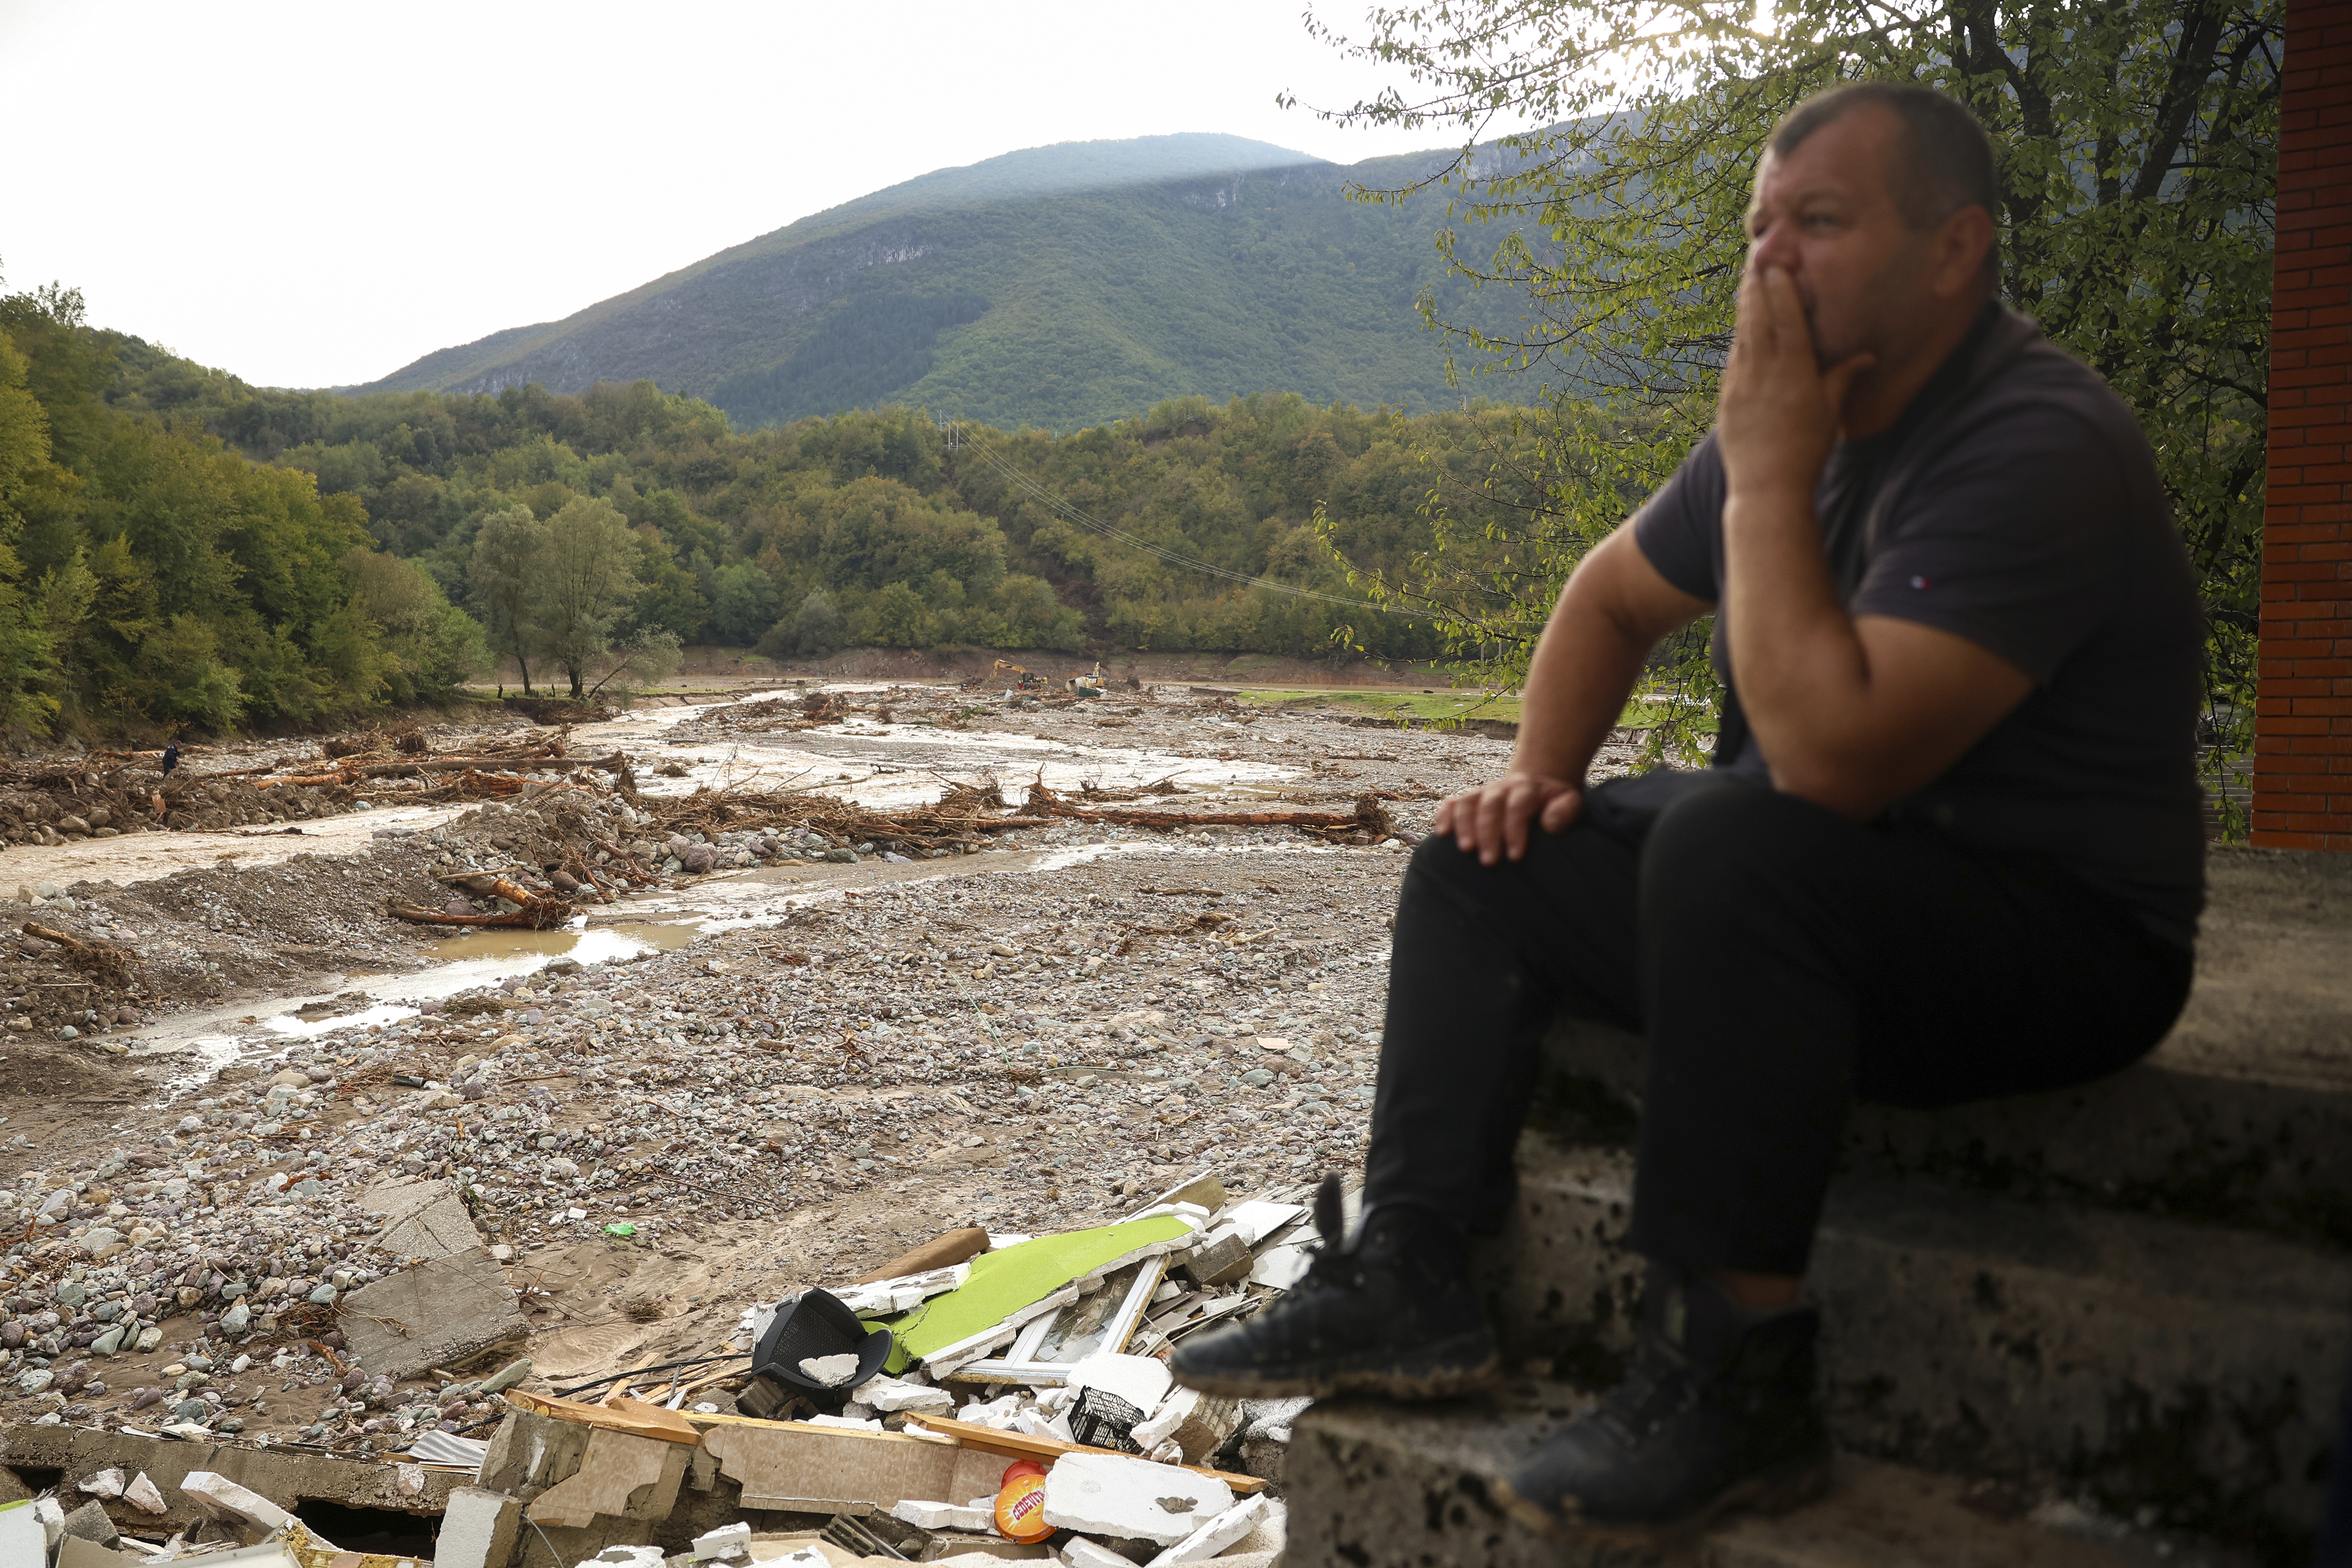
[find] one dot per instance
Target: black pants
(1782, 961)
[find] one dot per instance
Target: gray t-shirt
(2017, 505)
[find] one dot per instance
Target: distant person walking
(171, 759)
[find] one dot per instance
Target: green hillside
(1062, 287)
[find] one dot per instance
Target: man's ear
(1963, 243)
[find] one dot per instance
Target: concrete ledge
(2243, 1116)
(2158, 1363)
(288, 1479)
(1375, 1485)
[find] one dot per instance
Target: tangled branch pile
(1369, 823)
(961, 814)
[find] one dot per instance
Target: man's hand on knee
(1492, 820)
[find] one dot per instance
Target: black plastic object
(1103, 1420)
(818, 1324)
(768, 1398)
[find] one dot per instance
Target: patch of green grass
(1433, 706)
(1425, 707)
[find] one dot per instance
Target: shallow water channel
(874, 765)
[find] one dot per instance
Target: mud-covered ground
(785, 1072)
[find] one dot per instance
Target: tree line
(178, 547)
(1239, 526)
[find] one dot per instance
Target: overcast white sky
(316, 194)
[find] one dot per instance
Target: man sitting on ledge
(1951, 848)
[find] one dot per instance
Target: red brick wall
(2303, 725)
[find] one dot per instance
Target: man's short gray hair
(1946, 161)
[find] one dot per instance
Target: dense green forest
(152, 578)
(186, 550)
(870, 528)
(1061, 287)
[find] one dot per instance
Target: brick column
(2303, 724)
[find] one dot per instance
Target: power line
(958, 440)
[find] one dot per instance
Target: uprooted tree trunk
(538, 911)
(1370, 819)
(117, 967)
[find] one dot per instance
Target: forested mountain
(1061, 287)
(870, 528)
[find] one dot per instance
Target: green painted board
(1004, 1282)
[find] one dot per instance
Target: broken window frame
(1018, 1365)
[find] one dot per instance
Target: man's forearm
(1584, 668)
(1803, 673)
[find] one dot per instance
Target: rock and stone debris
(647, 1144)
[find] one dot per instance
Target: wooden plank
(634, 1417)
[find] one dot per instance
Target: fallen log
(1369, 817)
(612, 763)
(417, 770)
(489, 885)
(529, 918)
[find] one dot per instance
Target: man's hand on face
(1776, 417)
(1492, 820)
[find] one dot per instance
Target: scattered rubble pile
(347, 1248)
(107, 794)
(105, 797)
(1016, 1388)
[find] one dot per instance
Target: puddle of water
(588, 946)
(210, 1040)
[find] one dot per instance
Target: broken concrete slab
(619, 1477)
(439, 1313)
(23, 1542)
(924, 1515)
(145, 1495)
(1110, 1494)
(222, 1499)
(75, 1552)
(1217, 1534)
(888, 1394)
(1221, 1257)
(804, 1467)
(1079, 1552)
(423, 1219)
(91, 1522)
(530, 1452)
(480, 1529)
(727, 1540)
(1205, 1431)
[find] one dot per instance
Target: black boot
(1393, 1314)
(1717, 1414)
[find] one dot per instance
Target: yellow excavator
(1028, 682)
